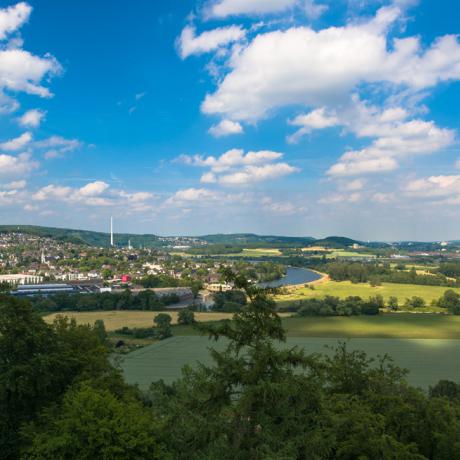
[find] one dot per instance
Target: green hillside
(84, 236)
(251, 239)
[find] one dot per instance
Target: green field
(346, 288)
(390, 325)
(428, 360)
(256, 252)
(337, 253)
(116, 319)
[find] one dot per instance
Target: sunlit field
(121, 318)
(347, 288)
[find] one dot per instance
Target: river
(293, 276)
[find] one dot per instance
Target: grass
(343, 253)
(404, 325)
(401, 326)
(120, 318)
(346, 288)
(428, 360)
(256, 252)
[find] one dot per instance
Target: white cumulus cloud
(189, 43)
(321, 68)
(225, 128)
(225, 8)
(32, 118)
(13, 17)
(17, 143)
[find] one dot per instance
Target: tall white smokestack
(111, 231)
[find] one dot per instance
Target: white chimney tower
(111, 231)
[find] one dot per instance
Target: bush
(162, 326)
(186, 316)
(415, 302)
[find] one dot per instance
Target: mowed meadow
(116, 319)
(427, 360)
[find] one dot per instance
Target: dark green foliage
(163, 328)
(93, 423)
(337, 242)
(231, 300)
(450, 269)
(447, 389)
(137, 332)
(393, 303)
(376, 273)
(37, 364)
(158, 281)
(99, 328)
(186, 316)
(5, 287)
(144, 300)
(415, 302)
(334, 306)
(451, 301)
(248, 239)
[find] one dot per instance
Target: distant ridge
(87, 237)
(251, 238)
(102, 239)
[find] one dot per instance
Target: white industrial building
(21, 279)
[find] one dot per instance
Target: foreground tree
(38, 362)
(93, 423)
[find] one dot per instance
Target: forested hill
(85, 236)
(241, 239)
(102, 239)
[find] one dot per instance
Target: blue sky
(293, 117)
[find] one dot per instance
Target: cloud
(317, 119)
(383, 198)
(13, 17)
(434, 186)
(225, 8)
(235, 167)
(97, 193)
(225, 128)
(341, 198)
(395, 139)
(15, 185)
(17, 143)
(252, 174)
(189, 43)
(32, 118)
(195, 194)
(354, 185)
(13, 166)
(282, 208)
(94, 188)
(57, 146)
(314, 10)
(322, 68)
(22, 71)
(230, 159)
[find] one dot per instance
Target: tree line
(126, 300)
(357, 272)
(355, 305)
